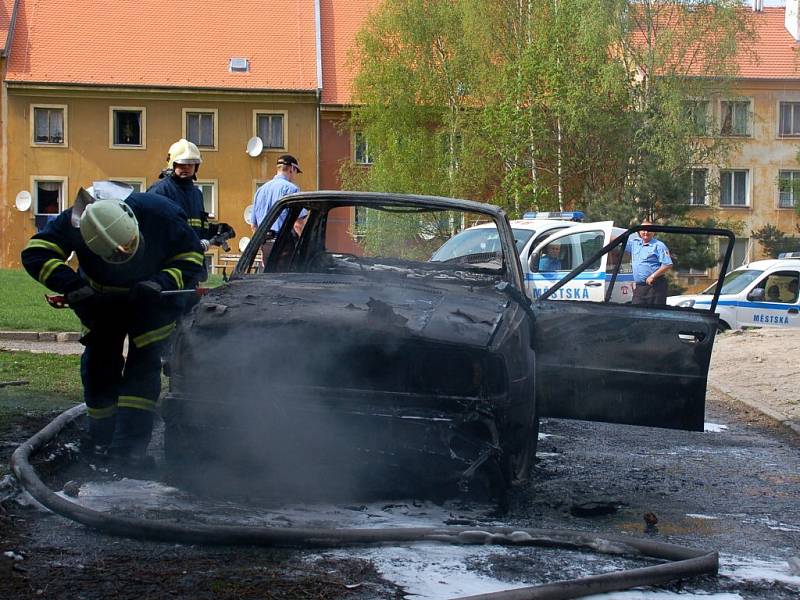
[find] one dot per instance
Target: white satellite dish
(254, 146)
(243, 243)
(23, 201)
(248, 215)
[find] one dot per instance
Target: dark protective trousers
(121, 392)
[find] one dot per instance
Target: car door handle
(592, 284)
(793, 311)
(691, 337)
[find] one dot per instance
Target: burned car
(351, 355)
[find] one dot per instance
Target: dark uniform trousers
(121, 394)
(651, 295)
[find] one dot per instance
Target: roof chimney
(792, 18)
(758, 5)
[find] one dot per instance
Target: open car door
(623, 363)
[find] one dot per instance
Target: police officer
(176, 182)
(269, 193)
(130, 247)
(650, 261)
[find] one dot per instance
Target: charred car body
(352, 352)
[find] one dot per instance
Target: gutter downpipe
(318, 32)
(5, 52)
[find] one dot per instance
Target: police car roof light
(789, 255)
(573, 215)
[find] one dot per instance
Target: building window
(789, 119)
(698, 191)
(127, 127)
(209, 191)
(361, 152)
(735, 117)
(270, 127)
(697, 112)
(739, 255)
(733, 188)
(49, 125)
(200, 127)
(48, 195)
(788, 188)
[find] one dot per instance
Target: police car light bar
(574, 215)
(789, 255)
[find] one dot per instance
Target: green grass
(23, 307)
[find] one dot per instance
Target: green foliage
(774, 241)
(545, 104)
(23, 306)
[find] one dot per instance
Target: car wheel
(722, 326)
(518, 464)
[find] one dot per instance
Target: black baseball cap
(289, 161)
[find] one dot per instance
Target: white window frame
(142, 181)
(357, 137)
(214, 183)
(750, 117)
(214, 111)
(748, 185)
(691, 187)
(795, 117)
(63, 108)
(285, 115)
(143, 132)
(794, 197)
(62, 204)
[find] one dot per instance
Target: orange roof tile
(776, 51)
(6, 12)
(339, 23)
(184, 44)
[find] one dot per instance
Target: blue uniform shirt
(548, 263)
(266, 197)
(646, 258)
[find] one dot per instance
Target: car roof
(531, 224)
(771, 263)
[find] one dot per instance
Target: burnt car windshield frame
(623, 239)
(337, 199)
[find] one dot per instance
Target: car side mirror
(533, 262)
(756, 295)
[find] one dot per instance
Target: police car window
(780, 287)
(521, 237)
(468, 242)
(734, 282)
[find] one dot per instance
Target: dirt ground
(761, 368)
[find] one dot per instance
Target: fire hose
(682, 561)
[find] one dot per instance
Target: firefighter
(176, 182)
(130, 247)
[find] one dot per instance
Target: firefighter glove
(84, 302)
(146, 292)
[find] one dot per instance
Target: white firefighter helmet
(110, 230)
(183, 152)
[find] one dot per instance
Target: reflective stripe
(176, 275)
(48, 268)
(154, 336)
(193, 257)
(101, 413)
(195, 222)
(44, 244)
(137, 402)
(105, 288)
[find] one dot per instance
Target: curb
(765, 410)
(41, 336)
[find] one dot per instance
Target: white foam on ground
(752, 569)
(695, 516)
(714, 427)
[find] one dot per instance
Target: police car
(550, 245)
(763, 293)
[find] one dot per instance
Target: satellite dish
(254, 146)
(23, 201)
(248, 215)
(243, 243)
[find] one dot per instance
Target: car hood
(445, 311)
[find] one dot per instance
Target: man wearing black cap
(272, 191)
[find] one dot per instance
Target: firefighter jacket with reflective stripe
(188, 197)
(169, 252)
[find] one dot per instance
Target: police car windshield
(734, 282)
(477, 240)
